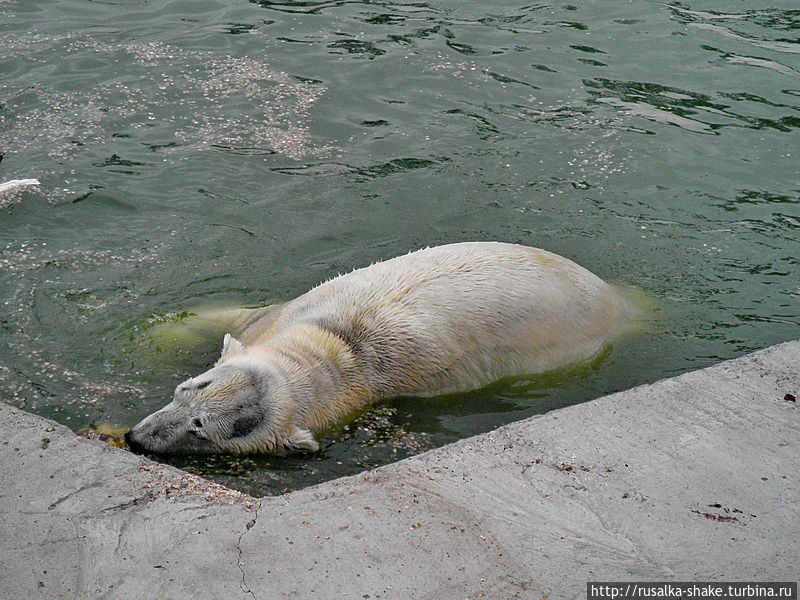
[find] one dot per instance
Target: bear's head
(235, 407)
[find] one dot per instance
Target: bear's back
(457, 317)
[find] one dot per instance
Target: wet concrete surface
(690, 478)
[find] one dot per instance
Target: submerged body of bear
(445, 319)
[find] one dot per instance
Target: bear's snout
(133, 445)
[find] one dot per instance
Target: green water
(202, 152)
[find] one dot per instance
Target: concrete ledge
(694, 477)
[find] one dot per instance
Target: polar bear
(440, 320)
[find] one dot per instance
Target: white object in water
(15, 183)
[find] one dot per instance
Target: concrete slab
(694, 477)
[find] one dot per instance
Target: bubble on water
(64, 124)
(42, 367)
(379, 426)
(25, 47)
(279, 124)
(598, 160)
(152, 53)
(234, 103)
(27, 256)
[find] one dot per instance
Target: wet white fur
(445, 319)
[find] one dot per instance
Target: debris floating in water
(15, 183)
(112, 435)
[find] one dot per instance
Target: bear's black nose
(133, 445)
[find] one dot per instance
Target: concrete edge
(688, 477)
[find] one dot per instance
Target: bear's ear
(230, 347)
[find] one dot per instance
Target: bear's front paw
(300, 440)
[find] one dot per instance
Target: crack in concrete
(239, 563)
(135, 501)
(74, 493)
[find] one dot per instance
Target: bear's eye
(197, 423)
(205, 384)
